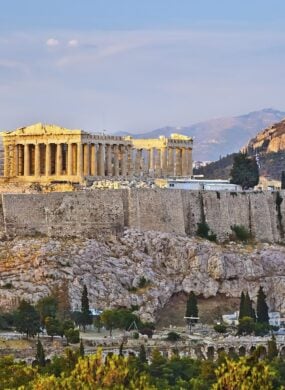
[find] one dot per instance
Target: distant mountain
(219, 137)
(269, 144)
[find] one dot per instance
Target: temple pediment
(44, 129)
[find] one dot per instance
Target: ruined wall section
(96, 213)
(85, 214)
(156, 209)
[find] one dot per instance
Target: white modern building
(202, 184)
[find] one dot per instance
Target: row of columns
(89, 159)
(71, 159)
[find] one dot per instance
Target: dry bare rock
(112, 270)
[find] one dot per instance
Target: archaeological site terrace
(47, 153)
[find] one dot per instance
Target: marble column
(123, 161)
(101, 160)
(178, 163)
(184, 162)
(116, 160)
(26, 160)
(130, 163)
(79, 160)
(37, 160)
(189, 162)
(138, 161)
(152, 161)
(158, 163)
(170, 162)
(20, 160)
(69, 159)
(16, 160)
(7, 160)
(93, 162)
(163, 153)
(48, 160)
(109, 160)
(58, 159)
(86, 152)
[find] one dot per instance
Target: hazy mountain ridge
(221, 136)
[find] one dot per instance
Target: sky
(137, 65)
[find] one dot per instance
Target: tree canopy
(245, 171)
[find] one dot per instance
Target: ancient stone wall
(98, 212)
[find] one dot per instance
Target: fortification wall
(64, 214)
(99, 212)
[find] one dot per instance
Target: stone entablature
(44, 153)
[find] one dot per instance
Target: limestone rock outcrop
(112, 270)
(272, 139)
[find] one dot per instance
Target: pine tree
(81, 349)
(86, 316)
(192, 307)
(40, 355)
(245, 171)
(241, 306)
(261, 307)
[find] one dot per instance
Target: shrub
(204, 231)
(147, 331)
(220, 328)
(143, 282)
(241, 233)
(136, 335)
(173, 336)
(72, 336)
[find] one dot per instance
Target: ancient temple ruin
(47, 153)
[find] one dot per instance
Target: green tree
(248, 309)
(40, 354)
(97, 322)
(241, 305)
(283, 180)
(241, 374)
(109, 319)
(192, 306)
(142, 354)
(81, 348)
(86, 316)
(245, 171)
(272, 348)
(27, 319)
(47, 307)
(245, 326)
(53, 327)
(261, 307)
(61, 294)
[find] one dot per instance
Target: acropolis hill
(109, 238)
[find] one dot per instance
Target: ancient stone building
(45, 153)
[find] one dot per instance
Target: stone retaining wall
(99, 212)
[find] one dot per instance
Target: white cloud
(73, 43)
(52, 42)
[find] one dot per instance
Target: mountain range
(218, 137)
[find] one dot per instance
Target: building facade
(46, 153)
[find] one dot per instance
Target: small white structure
(274, 318)
(231, 319)
(202, 184)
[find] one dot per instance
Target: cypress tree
(40, 354)
(248, 310)
(81, 349)
(283, 180)
(241, 306)
(142, 354)
(272, 348)
(191, 306)
(261, 307)
(245, 171)
(86, 316)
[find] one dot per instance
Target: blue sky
(137, 65)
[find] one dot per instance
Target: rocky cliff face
(272, 139)
(29, 268)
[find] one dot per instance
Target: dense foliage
(73, 370)
(245, 171)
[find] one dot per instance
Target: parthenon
(46, 153)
